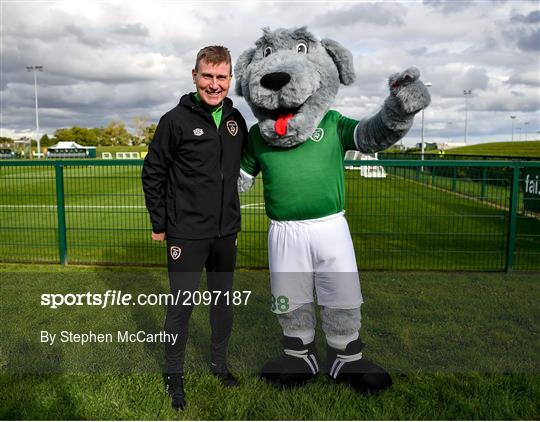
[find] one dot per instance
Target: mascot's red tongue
(281, 123)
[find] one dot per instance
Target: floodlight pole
(427, 84)
(525, 125)
(466, 93)
(513, 118)
(35, 69)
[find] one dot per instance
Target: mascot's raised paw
(295, 367)
(349, 367)
(409, 91)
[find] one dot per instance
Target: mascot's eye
(267, 51)
(301, 48)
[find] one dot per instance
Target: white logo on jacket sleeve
(175, 252)
(198, 131)
(232, 127)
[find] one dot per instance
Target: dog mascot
(289, 80)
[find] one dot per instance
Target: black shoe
(174, 386)
(222, 373)
(349, 367)
(295, 367)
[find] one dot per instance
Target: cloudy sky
(106, 60)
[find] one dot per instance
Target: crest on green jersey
(317, 135)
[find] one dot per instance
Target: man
(189, 180)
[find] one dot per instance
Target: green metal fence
(403, 215)
(442, 155)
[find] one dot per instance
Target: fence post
(512, 218)
(61, 212)
(484, 177)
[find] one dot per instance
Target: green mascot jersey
(306, 181)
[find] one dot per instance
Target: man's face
(212, 81)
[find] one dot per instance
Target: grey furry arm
(382, 130)
(408, 95)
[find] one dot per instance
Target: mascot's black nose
(275, 81)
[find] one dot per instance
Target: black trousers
(186, 260)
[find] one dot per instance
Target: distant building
(70, 150)
(443, 146)
(427, 145)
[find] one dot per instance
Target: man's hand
(160, 237)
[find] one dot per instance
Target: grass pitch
(458, 345)
(529, 149)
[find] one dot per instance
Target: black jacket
(190, 173)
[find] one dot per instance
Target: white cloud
(105, 60)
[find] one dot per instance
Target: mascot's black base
(297, 366)
(348, 367)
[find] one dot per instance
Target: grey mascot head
(289, 80)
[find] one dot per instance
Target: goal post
(374, 171)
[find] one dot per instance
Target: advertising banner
(531, 189)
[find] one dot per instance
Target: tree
(149, 132)
(139, 123)
(117, 133)
(63, 134)
(45, 141)
(6, 141)
(80, 135)
(100, 137)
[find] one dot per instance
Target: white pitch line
(258, 206)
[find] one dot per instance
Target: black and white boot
(295, 367)
(349, 367)
(174, 386)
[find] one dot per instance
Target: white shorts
(313, 255)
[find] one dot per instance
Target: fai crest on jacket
(317, 135)
(175, 252)
(232, 127)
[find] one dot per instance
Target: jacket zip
(222, 178)
(222, 182)
(220, 229)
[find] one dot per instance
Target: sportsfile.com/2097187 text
(118, 298)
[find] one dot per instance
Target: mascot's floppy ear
(239, 68)
(342, 58)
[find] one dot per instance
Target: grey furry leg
(341, 326)
(299, 323)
